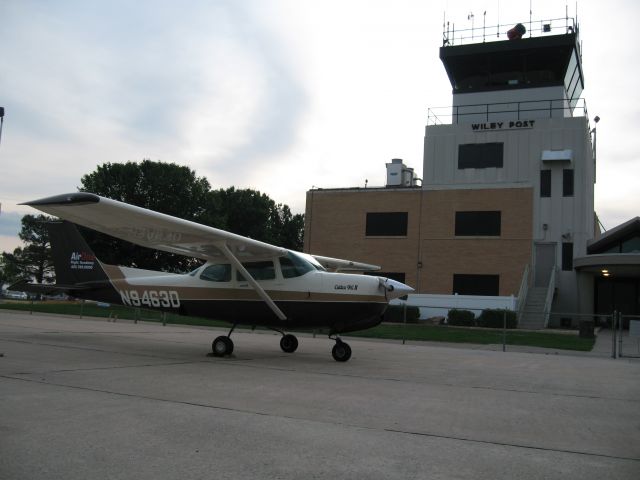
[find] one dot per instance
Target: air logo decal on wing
(82, 261)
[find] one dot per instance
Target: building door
(545, 262)
(621, 295)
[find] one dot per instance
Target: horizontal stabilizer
(45, 288)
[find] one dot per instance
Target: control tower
(511, 161)
(505, 213)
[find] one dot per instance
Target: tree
(253, 214)
(164, 187)
(177, 190)
(4, 273)
(33, 261)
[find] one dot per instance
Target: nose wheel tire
(341, 351)
(222, 346)
(289, 343)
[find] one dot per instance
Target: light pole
(596, 119)
(1, 121)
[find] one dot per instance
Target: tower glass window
(567, 182)
(480, 155)
(545, 183)
(567, 256)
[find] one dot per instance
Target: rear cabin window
(217, 273)
(258, 270)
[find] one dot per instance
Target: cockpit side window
(217, 273)
(258, 270)
(294, 266)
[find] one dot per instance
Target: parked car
(15, 295)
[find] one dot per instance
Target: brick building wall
(430, 253)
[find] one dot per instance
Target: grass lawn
(430, 333)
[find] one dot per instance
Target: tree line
(167, 188)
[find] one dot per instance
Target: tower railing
(524, 110)
(494, 33)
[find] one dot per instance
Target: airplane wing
(152, 229)
(339, 265)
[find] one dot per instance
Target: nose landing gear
(341, 351)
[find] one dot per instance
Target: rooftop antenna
(484, 23)
(530, 14)
(445, 29)
(498, 19)
(471, 17)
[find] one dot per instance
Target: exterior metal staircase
(533, 315)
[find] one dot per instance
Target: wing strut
(259, 290)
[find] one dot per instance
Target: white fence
(432, 305)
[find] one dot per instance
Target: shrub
(494, 318)
(395, 314)
(461, 318)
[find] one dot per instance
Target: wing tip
(77, 198)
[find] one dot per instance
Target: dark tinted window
(567, 182)
(217, 273)
(387, 224)
(545, 183)
(567, 256)
(465, 284)
(480, 155)
(631, 245)
(478, 224)
(258, 270)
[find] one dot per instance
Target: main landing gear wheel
(289, 343)
(222, 346)
(341, 351)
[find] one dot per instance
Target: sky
(275, 95)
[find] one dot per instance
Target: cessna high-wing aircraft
(243, 281)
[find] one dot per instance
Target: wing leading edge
(152, 229)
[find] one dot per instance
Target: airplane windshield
(296, 265)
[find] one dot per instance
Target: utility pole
(1, 121)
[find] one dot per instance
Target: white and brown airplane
(243, 281)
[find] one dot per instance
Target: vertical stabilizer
(74, 262)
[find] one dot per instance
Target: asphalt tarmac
(87, 398)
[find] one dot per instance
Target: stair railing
(522, 293)
(549, 298)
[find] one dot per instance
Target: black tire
(289, 343)
(341, 352)
(222, 346)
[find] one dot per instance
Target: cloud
(10, 223)
(205, 86)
